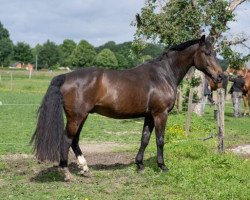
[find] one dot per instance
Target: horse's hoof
(163, 168)
(85, 173)
(68, 177)
(140, 168)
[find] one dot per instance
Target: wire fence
(9, 83)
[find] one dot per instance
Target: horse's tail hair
(50, 124)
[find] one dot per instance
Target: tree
(6, 46)
(66, 49)
(4, 33)
(122, 61)
(22, 53)
(49, 55)
(145, 58)
(106, 58)
(83, 55)
(172, 22)
(108, 45)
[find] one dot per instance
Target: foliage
(235, 59)
(172, 22)
(6, 46)
(48, 55)
(22, 53)
(122, 61)
(190, 83)
(4, 33)
(123, 52)
(66, 49)
(83, 55)
(106, 58)
(145, 58)
(111, 45)
(175, 133)
(6, 49)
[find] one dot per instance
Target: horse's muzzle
(220, 78)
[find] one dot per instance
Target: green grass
(197, 171)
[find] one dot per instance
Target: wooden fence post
(178, 100)
(220, 119)
(190, 99)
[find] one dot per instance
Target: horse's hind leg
(78, 153)
(72, 127)
(64, 150)
(146, 133)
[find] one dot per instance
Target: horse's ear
(203, 39)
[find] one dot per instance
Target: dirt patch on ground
(102, 155)
(105, 155)
(243, 149)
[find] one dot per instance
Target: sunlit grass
(197, 171)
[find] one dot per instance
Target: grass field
(197, 171)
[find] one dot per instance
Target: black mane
(184, 45)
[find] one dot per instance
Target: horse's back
(114, 93)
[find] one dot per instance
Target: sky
(97, 21)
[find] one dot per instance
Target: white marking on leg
(83, 163)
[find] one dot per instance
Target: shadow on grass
(53, 174)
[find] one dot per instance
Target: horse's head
(205, 60)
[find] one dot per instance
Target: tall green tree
(48, 55)
(106, 58)
(66, 49)
(172, 22)
(22, 53)
(4, 33)
(122, 61)
(108, 45)
(83, 55)
(6, 46)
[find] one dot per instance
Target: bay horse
(214, 86)
(148, 90)
(246, 92)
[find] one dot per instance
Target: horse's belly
(119, 113)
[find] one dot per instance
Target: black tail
(50, 124)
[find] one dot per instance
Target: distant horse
(148, 90)
(246, 90)
(214, 86)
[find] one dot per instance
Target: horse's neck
(180, 62)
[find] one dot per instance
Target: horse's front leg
(146, 133)
(160, 124)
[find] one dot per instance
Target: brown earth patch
(242, 149)
(99, 156)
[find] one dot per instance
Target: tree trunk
(199, 90)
